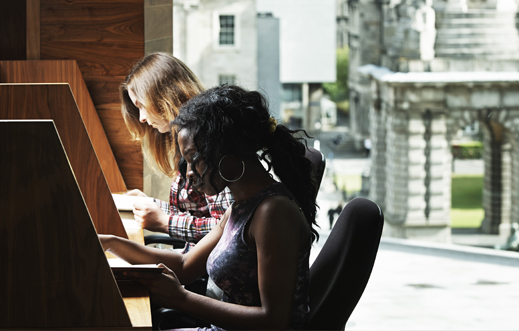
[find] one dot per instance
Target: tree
(338, 91)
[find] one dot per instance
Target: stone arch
(413, 119)
(498, 187)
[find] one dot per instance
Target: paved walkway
(422, 286)
(430, 291)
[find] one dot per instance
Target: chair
(162, 238)
(319, 162)
(342, 269)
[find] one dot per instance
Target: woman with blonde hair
(151, 96)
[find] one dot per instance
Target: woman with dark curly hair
(259, 252)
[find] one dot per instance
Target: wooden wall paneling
(92, 21)
(106, 38)
(105, 95)
(55, 274)
(13, 30)
(55, 101)
(94, 59)
(33, 29)
(67, 71)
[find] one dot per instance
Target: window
(226, 30)
(292, 92)
(227, 79)
(227, 27)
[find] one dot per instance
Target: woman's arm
(278, 232)
(188, 267)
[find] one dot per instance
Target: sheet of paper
(120, 264)
(125, 202)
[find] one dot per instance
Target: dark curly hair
(231, 120)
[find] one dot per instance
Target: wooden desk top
(136, 297)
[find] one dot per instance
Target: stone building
(307, 55)
(419, 71)
(342, 23)
(284, 48)
(217, 40)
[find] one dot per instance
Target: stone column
(180, 14)
(306, 106)
(497, 191)
(360, 105)
(377, 176)
(365, 48)
(514, 216)
(405, 159)
(418, 176)
(438, 166)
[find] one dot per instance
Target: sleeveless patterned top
(233, 264)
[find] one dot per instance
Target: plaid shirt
(193, 214)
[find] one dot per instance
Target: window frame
(216, 31)
(226, 76)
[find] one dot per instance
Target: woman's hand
(150, 216)
(136, 193)
(165, 289)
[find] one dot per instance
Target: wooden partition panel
(55, 101)
(13, 30)
(63, 71)
(54, 274)
(106, 38)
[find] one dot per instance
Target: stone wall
(444, 64)
(364, 42)
(427, 36)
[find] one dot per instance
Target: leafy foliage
(338, 91)
(468, 150)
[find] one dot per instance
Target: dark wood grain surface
(54, 274)
(63, 71)
(13, 30)
(33, 29)
(55, 101)
(106, 38)
(105, 95)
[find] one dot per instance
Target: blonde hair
(162, 83)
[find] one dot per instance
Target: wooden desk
(136, 297)
(56, 275)
(56, 102)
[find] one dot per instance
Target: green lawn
(467, 197)
(467, 192)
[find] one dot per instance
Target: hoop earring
(230, 180)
